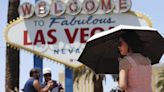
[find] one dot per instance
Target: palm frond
(115, 77)
(160, 83)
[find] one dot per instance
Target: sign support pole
(38, 62)
(68, 80)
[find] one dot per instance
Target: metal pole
(38, 62)
(68, 80)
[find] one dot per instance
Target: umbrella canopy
(101, 50)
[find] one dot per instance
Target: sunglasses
(47, 74)
(36, 72)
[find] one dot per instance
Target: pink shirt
(139, 73)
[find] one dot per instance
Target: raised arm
(38, 87)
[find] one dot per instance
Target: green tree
(12, 55)
(160, 83)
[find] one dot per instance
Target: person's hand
(62, 90)
(50, 84)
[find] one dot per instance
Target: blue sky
(151, 8)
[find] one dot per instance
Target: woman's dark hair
(133, 41)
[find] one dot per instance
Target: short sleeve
(124, 64)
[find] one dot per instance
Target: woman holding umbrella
(136, 43)
(134, 68)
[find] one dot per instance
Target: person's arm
(124, 66)
(38, 87)
(122, 79)
(61, 87)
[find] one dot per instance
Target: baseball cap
(46, 70)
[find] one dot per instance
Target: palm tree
(160, 83)
(12, 55)
(96, 78)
